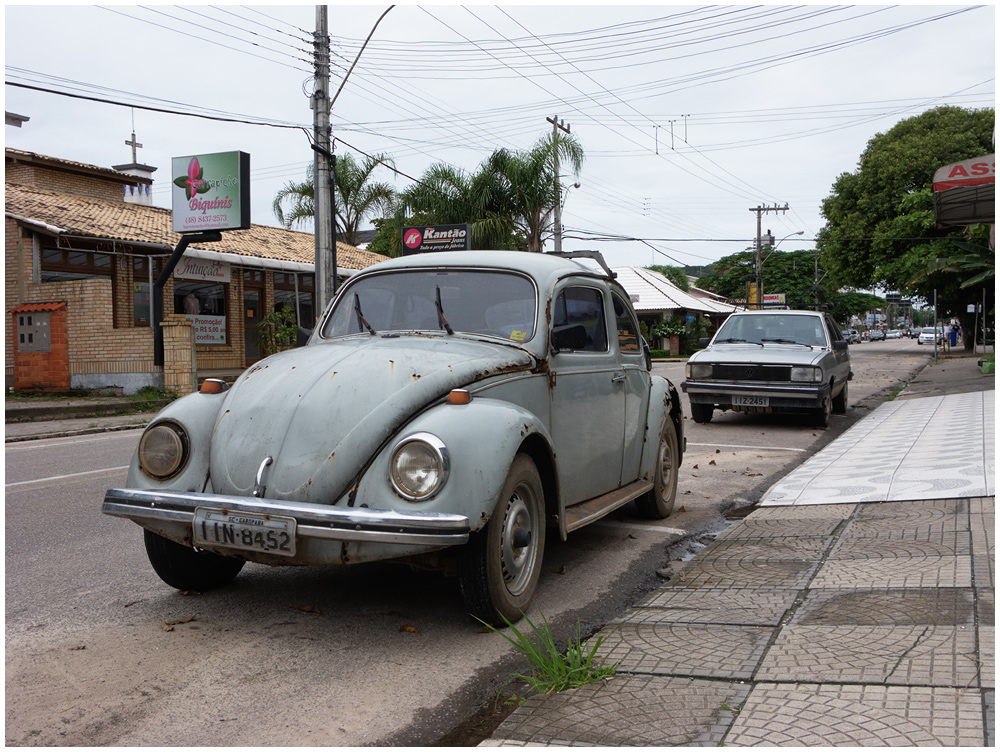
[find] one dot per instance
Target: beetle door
(635, 388)
(587, 395)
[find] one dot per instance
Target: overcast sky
(689, 115)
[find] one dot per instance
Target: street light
(760, 265)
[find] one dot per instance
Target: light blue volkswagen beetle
(448, 409)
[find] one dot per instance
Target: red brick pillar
(41, 348)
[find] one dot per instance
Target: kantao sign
(211, 192)
(436, 238)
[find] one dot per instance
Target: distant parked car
(876, 335)
(927, 336)
(771, 361)
(914, 332)
(894, 334)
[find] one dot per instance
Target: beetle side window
(628, 337)
(578, 321)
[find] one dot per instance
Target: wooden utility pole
(758, 263)
(557, 125)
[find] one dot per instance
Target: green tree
(792, 273)
(357, 196)
(508, 201)
(525, 184)
(675, 274)
(880, 229)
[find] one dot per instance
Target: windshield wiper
(361, 317)
(734, 339)
(442, 321)
(788, 342)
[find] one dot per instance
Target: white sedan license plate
(744, 401)
(248, 531)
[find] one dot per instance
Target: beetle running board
(586, 512)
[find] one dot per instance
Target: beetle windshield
(499, 304)
(769, 328)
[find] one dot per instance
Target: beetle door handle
(618, 378)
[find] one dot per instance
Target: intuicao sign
(211, 192)
(436, 238)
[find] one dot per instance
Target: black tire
(840, 401)
(659, 502)
(702, 413)
(821, 415)
(187, 568)
(496, 578)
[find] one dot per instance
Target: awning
(964, 192)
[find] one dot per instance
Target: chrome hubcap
(517, 547)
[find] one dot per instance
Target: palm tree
(356, 197)
(527, 184)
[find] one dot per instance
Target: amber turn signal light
(459, 397)
(213, 386)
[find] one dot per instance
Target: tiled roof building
(75, 234)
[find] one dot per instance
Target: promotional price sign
(211, 192)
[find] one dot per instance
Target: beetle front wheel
(187, 568)
(500, 564)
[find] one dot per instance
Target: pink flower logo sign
(192, 183)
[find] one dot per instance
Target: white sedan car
(927, 336)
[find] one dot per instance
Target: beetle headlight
(808, 374)
(419, 466)
(163, 450)
(699, 370)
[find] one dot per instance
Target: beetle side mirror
(302, 336)
(573, 337)
(647, 355)
(840, 344)
(703, 341)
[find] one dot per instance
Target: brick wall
(44, 371)
(51, 179)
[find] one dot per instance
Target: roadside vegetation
(554, 670)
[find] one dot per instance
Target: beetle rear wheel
(186, 568)
(659, 502)
(500, 565)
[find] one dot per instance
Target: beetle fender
(664, 405)
(197, 414)
(482, 438)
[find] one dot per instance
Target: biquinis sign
(211, 192)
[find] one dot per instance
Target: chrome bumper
(780, 395)
(313, 521)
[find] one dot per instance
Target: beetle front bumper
(317, 524)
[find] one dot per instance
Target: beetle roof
(545, 268)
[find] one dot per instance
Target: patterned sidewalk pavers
(897, 453)
(812, 623)
(825, 715)
(629, 711)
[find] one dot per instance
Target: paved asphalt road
(100, 652)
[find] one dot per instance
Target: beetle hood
(321, 412)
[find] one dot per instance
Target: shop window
(296, 294)
(142, 308)
(63, 264)
(204, 304)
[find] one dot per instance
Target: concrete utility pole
(324, 222)
(557, 125)
(756, 255)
